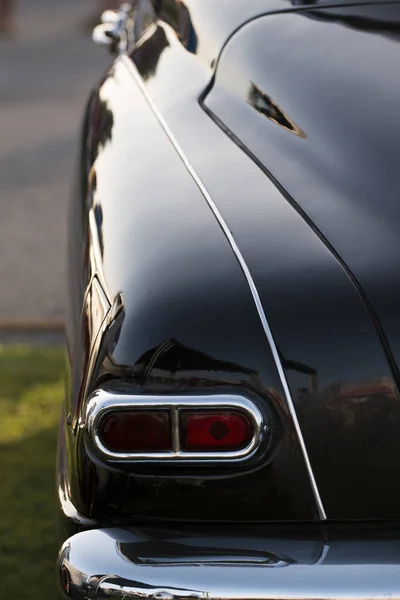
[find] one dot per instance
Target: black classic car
(233, 333)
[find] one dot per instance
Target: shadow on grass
(28, 540)
(31, 392)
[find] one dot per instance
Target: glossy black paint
(316, 311)
(146, 229)
(341, 176)
(180, 296)
(204, 26)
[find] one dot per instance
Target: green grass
(31, 392)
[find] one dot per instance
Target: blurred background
(47, 67)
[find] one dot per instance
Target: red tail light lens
(215, 431)
(65, 580)
(137, 431)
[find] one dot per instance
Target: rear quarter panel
(142, 231)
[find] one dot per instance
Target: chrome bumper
(123, 564)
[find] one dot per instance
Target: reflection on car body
(233, 285)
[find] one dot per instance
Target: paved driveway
(46, 72)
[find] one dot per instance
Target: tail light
(65, 579)
(164, 428)
(217, 431)
(137, 431)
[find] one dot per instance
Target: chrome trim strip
(103, 402)
(108, 563)
(175, 428)
(324, 554)
(136, 76)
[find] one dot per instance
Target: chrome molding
(324, 554)
(246, 271)
(102, 403)
(107, 563)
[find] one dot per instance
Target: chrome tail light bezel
(103, 403)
